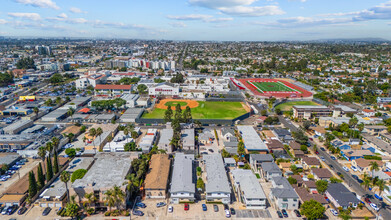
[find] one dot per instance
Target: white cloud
(76, 10)
(198, 17)
(241, 8)
(63, 15)
(29, 16)
(39, 3)
(245, 11)
(178, 24)
(77, 20)
(2, 21)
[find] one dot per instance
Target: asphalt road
(384, 208)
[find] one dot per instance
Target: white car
(335, 213)
(170, 209)
(227, 214)
(346, 169)
(354, 168)
(374, 206)
(4, 212)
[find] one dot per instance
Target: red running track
(304, 93)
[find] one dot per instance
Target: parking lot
(21, 172)
(253, 214)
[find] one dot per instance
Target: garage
(51, 205)
(43, 205)
(58, 205)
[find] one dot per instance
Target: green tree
(382, 185)
(33, 188)
(200, 184)
(64, 177)
(178, 113)
(292, 180)
(72, 209)
(49, 169)
(168, 114)
(42, 154)
(119, 196)
(71, 152)
(374, 166)
(241, 151)
(90, 198)
(312, 210)
(225, 154)
(26, 63)
(187, 115)
(142, 89)
(132, 183)
(109, 199)
(56, 168)
(41, 177)
(321, 186)
(78, 174)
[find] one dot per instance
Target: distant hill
(353, 40)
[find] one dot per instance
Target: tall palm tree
(109, 139)
(36, 110)
(119, 196)
(366, 182)
(381, 184)
(64, 177)
(126, 133)
(99, 132)
(55, 142)
(42, 154)
(92, 133)
(132, 183)
(49, 147)
(90, 198)
(109, 199)
(70, 112)
(374, 167)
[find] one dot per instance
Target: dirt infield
(190, 103)
(277, 94)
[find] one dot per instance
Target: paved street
(384, 211)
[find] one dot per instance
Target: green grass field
(272, 87)
(288, 105)
(207, 110)
(173, 104)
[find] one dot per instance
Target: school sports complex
(272, 88)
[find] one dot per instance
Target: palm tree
(99, 132)
(92, 133)
(70, 112)
(55, 142)
(382, 186)
(109, 139)
(49, 147)
(42, 154)
(118, 195)
(64, 177)
(366, 182)
(126, 133)
(374, 167)
(90, 198)
(36, 110)
(132, 183)
(109, 199)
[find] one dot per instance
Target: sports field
(272, 87)
(207, 110)
(287, 106)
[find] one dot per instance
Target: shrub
(90, 211)
(71, 152)
(78, 174)
(107, 213)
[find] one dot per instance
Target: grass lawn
(208, 110)
(173, 104)
(272, 87)
(288, 105)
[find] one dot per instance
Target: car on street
(346, 169)
(204, 208)
(210, 150)
(333, 158)
(186, 206)
(367, 200)
(316, 152)
(322, 158)
(46, 211)
(322, 149)
(374, 206)
(141, 205)
(354, 168)
(360, 181)
(335, 213)
(331, 166)
(280, 214)
(215, 208)
(297, 212)
(160, 204)
(22, 210)
(138, 213)
(226, 207)
(355, 177)
(233, 212)
(170, 209)
(284, 213)
(227, 214)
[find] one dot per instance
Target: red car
(316, 152)
(367, 200)
(186, 206)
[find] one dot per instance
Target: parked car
(138, 213)
(280, 214)
(322, 148)
(233, 212)
(378, 197)
(226, 207)
(297, 213)
(355, 177)
(284, 213)
(170, 209)
(227, 214)
(360, 181)
(46, 211)
(367, 200)
(22, 210)
(322, 158)
(335, 213)
(186, 206)
(215, 208)
(354, 168)
(4, 212)
(346, 169)
(141, 205)
(160, 204)
(331, 166)
(204, 208)
(316, 152)
(333, 158)
(374, 206)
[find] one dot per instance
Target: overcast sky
(237, 20)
